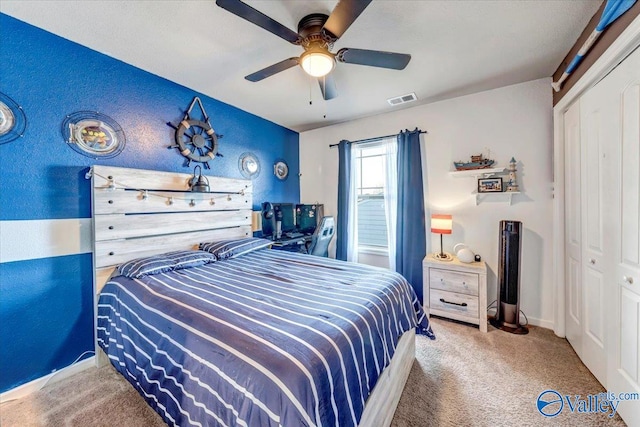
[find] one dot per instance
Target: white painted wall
(46, 237)
(511, 121)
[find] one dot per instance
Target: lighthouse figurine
(512, 185)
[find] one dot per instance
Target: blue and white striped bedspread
(270, 338)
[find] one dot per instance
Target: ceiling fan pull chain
(324, 81)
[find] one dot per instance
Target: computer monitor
(307, 217)
(284, 213)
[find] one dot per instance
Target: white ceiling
(457, 48)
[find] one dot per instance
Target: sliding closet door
(594, 158)
(623, 86)
(602, 232)
(573, 228)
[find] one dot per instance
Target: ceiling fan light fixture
(317, 62)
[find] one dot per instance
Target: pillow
(163, 263)
(186, 259)
(140, 267)
(226, 249)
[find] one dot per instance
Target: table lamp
(441, 224)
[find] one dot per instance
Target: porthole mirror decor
(249, 165)
(93, 134)
(13, 121)
(281, 170)
(195, 139)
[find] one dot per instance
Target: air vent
(403, 99)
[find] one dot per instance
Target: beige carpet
(464, 378)
(467, 378)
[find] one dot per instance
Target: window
(370, 177)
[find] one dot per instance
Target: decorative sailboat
(477, 162)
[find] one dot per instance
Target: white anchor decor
(195, 139)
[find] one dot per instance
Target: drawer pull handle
(464, 304)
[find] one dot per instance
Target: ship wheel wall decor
(195, 139)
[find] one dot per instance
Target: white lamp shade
(441, 223)
(317, 63)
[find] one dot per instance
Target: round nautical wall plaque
(281, 169)
(13, 121)
(93, 134)
(249, 165)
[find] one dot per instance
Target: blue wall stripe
(46, 320)
(46, 317)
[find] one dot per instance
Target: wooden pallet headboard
(141, 212)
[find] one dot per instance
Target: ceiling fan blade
(373, 58)
(260, 19)
(343, 15)
(328, 87)
(273, 69)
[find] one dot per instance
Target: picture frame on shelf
(489, 185)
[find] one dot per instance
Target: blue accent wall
(51, 77)
(46, 316)
(42, 178)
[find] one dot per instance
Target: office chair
(322, 237)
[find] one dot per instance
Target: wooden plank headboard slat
(120, 226)
(112, 252)
(147, 179)
(119, 201)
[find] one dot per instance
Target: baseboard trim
(35, 385)
(548, 324)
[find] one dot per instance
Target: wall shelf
(505, 196)
(486, 173)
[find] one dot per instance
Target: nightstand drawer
(465, 306)
(454, 281)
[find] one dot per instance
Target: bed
(249, 336)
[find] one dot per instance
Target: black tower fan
(508, 310)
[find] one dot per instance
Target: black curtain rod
(377, 138)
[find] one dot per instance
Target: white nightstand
(456, 290)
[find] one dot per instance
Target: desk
(296, 244)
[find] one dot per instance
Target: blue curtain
(410, 232)
(344, 188)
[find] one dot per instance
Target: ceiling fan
(316, 34)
